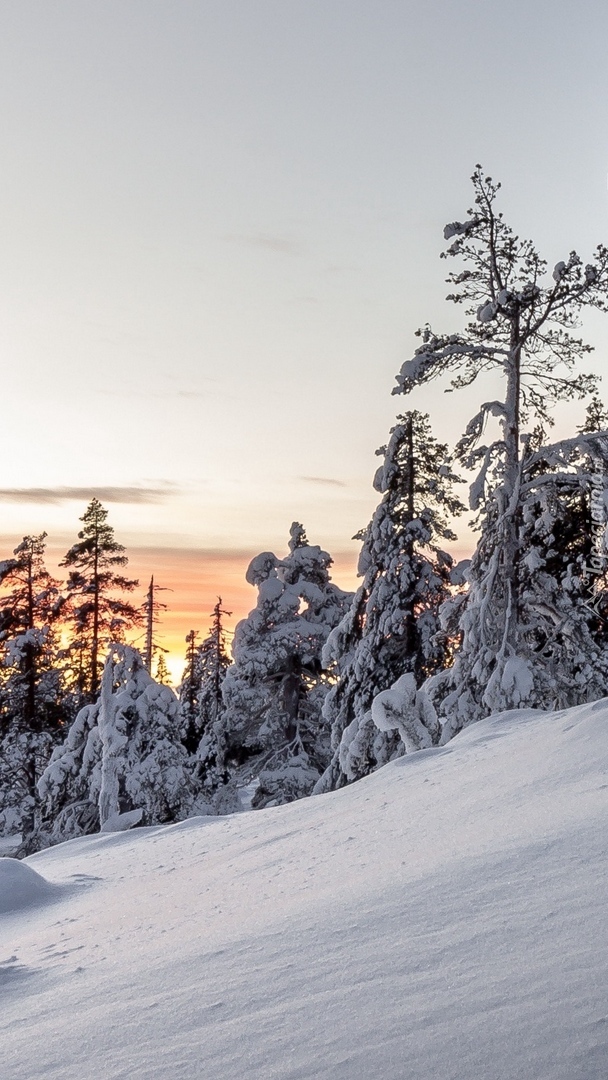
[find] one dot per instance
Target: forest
(324, 687)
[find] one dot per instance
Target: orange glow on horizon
(194, 578)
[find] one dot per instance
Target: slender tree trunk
(292, 689)
(149, 626)
(510, 510)
(95, 643)
(410, 636)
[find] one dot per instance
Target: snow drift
(443, 918)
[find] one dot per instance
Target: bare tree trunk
(510, 510)
(149, 626)
(95, 642)
(292, 691)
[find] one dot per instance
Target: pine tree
(122, 755)
(162, 675)
(392, 627)
(596, 417)
(214, 664)
(96, 615)
(272, 727)
(189, 690)
(31, 705)
(522, 327)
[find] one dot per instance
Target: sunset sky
(220, 224)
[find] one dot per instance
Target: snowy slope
(444, 919)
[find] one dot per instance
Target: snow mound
(122, 822)
(22, 887)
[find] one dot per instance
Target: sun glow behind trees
(193, 578)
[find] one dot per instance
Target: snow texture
(21, 887)
(442, 919)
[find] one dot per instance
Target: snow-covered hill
(444, 919)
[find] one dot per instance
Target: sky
(221, 224)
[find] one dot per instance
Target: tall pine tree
(97, 612)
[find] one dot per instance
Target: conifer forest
(320, 687)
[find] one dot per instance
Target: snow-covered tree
(214, 664)
(200, 691)
(392, 626)
(96, 614)
(31, 705)
(189, 688)
(521, 326)
(563, 625)
(122, 755)
(201, 707)
(272, 729)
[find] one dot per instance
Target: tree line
(325, 686)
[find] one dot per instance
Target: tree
(122, 755)
(214, 663)
(272, 727)
(96, 615)
(596, 417)
(31, 706)
(392, 627)
(189, 690)
(521, 325)
(162, 675)
(203, 730)
(151, 608)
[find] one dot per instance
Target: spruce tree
(214, 664)
(31, 702)
(95, 614)
(189, 691)
(206, 734)
(392, 627)
(162, 674)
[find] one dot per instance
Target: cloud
(85, 494)
(324, 480)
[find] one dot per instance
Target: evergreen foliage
(96, 615)
(122, 755)
(162, 675)
(521, 324)
(31, 703)
(272, 728)
(214, 663)
(392, 625)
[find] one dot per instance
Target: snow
(558, 271)
(20, 886)
(442, 918)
